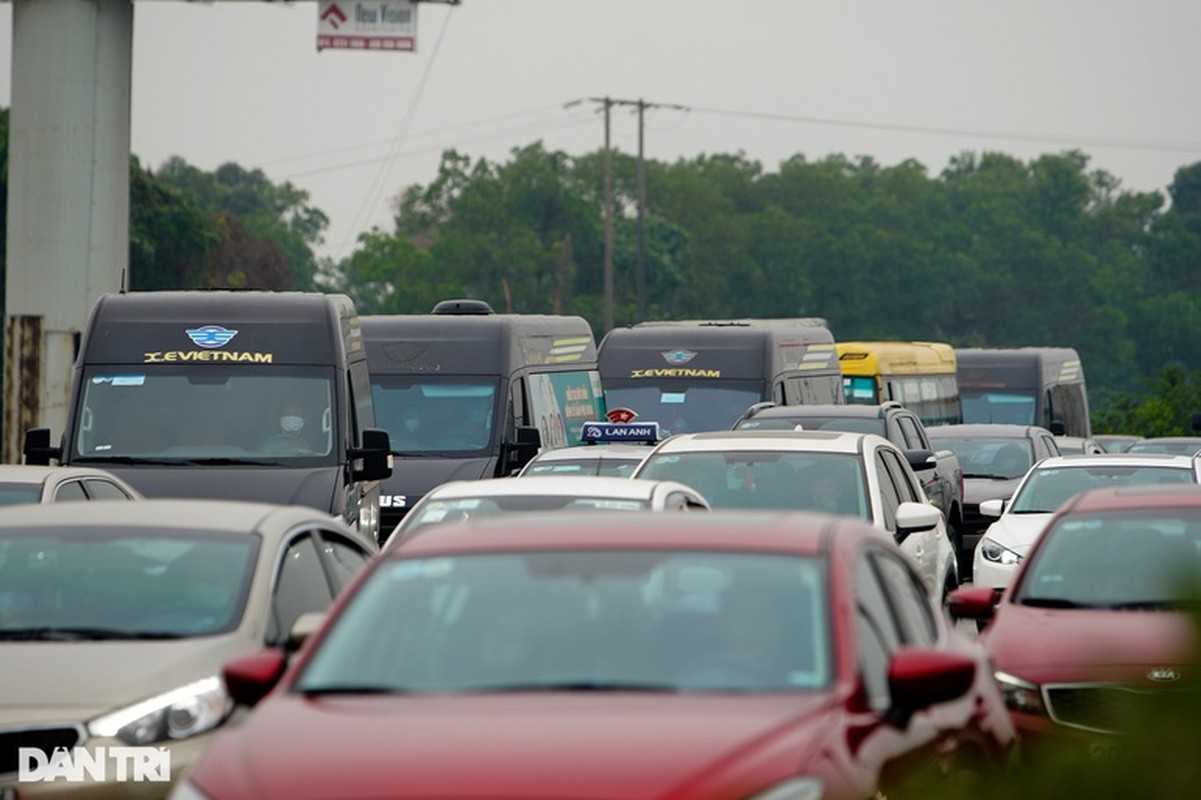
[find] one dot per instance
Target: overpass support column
(68, 195)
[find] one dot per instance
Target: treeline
(993, 251)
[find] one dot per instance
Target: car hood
(1041, 644)
(1017, 531)
(977, 490)
(75, 681)
(513, 745)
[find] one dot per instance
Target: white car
(1046, 486)
(858, 474)
(618, 460)
(459, 501)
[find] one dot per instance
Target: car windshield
(1047, 489)
(989, 457)
(435, 414)
(1133, 559)
(57, 584)
(461, 509)
(581, 621)
(713, 406)
(1179, 448)
(828, 482)
(12, 494)
(173, 414)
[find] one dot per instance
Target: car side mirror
(992, 508)
(251, 678)
(919, 678)
(915, 518)
(921, 459)
(304, 627)
(974, 602)
(374, 458)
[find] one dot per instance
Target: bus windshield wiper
(48, 633)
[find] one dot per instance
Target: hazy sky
(242, 81)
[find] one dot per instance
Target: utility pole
(607, 104)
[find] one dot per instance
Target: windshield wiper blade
(985, 475)
(130, 460)
(1054, 602)
(48, 633)
(351, 688)
(577, 686)
(225, 461)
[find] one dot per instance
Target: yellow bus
(919, 375)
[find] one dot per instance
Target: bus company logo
(211, 335)
(100, 764)
(678, 357)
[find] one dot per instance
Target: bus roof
(1024, 367)
(475, 343)
(896, 358)
(737, 349)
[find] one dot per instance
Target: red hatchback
(1094, 628)
(731, 654)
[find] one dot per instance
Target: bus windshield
(1012, 407)
(169, 413)
(712, 406)
(436, 414)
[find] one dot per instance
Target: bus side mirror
(375, 455)
(1197, 422)
(525, 447)
(37, 447)
(1057, 427)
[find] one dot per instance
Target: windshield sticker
(210, 336)
(207, 355)
(406, 570)
(119, 380)
(672, 397)
(437, 568)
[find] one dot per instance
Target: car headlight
(997, 554)
(1020, 695)
(178, 714)
(793, 789)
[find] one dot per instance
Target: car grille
(1101, 707)
(45, 739)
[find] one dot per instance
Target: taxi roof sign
(620, 432)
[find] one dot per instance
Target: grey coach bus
(1041, 386)
(695, 375)
(245, 395)
(466, 393)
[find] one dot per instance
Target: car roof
(969, 430)
(742, 530)
(1117, 460)
(554, 485)
(227, 516)
(1147, 496)
(822, 410)
(742, 439)
(616, 450)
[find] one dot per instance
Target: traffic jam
(280, 550)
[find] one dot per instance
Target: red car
(730, 654)
(1095, 620)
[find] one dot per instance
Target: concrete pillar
(68, 195)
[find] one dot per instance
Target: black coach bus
(466, 393)
(241, 395)
(696, 375)
(1026, 386)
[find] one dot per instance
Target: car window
(69, 492)
(909, 599)
(910, 434)
(876, 634)
(100, 489)
(889, 498)
(300, 587)
(343, 557)
(902, 478)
